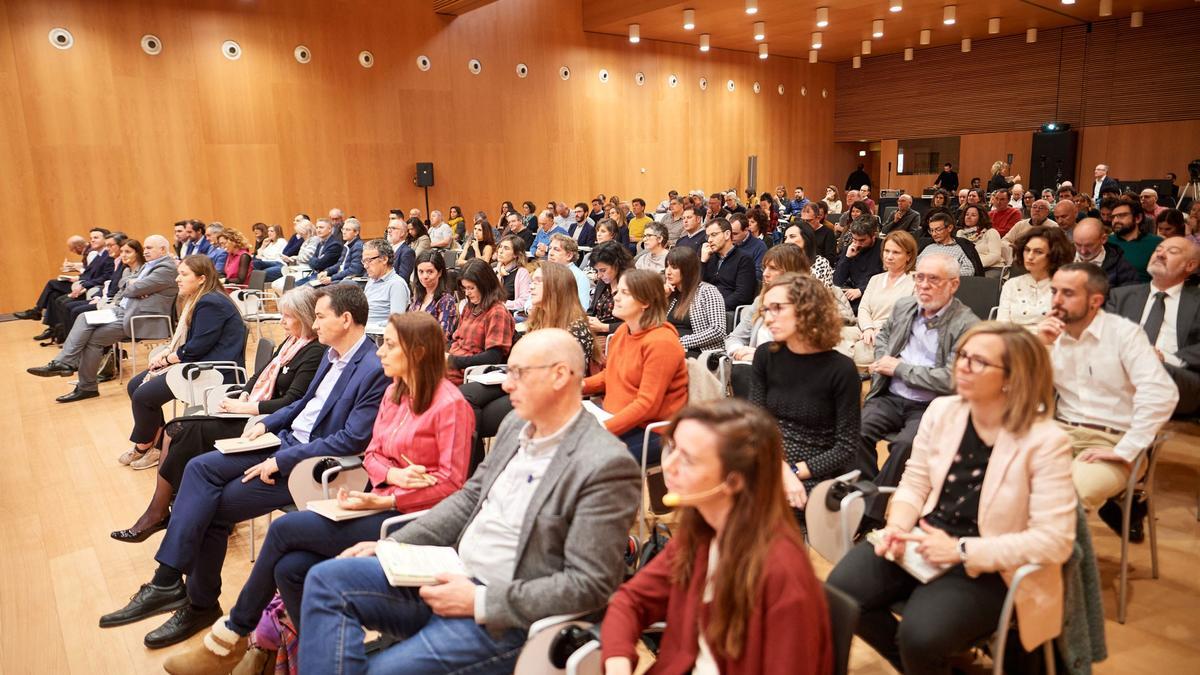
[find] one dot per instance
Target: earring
(1004, 389)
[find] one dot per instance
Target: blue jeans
(343, 596)
(633, 440)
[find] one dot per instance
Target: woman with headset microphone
(734, 584)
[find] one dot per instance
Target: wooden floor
(62, 492)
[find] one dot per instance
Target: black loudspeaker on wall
(1053, 159)
(424, 174)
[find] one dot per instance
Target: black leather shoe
(135, 536)
(52, 369)
(1111, 514)
(29, 314)
(183, 624)
(44, 335)
(148, 601)
(106, 377)
(77, 395)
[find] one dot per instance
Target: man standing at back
(1103, 182)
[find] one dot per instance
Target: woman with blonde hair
(734, 584)
(210, 328)
(899, 255)
(986, 490)
(1000, 178)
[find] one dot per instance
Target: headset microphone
(674, 499)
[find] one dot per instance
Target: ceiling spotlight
(1135, 19)
(1068, 2)
(966, 45)
(949, 15)
(857, 62)
(760, 30)
(1105, 7)
(689, 19)
(866, 46)
(993, 25)
(926, 36)
(816, 40)
(635, 33)
(908, 53)
(812, 56)
(1031, 35)
(762, 51)
(822, 17)
(895, 6)
(704, 42)
(752, 6)
(877, 28)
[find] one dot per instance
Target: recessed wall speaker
(61, 38)
(522, 70)
(704, 84)
(672, 81)
(366, 59)
(231, 50)
(474, 66)
(757, 87)
(423, 63)
(640, 78)
(729, 85)
(303, 54)
(603, 75)
(824, 93)
(804, 91)
(780, 88)
(564, 73)
(151, 45)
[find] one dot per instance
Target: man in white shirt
(540, 529)
(441, 235)
(1113, 392)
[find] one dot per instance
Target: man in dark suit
(726, 266)
(108, 261)
(350, 264)
(404, 259)
(1169, 311)
(583, 230)
(328, 253)
(89, 249)
(1103, 183)
(195, 241)
(335, 417)
(1091, 247)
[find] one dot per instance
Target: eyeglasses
(517, 372)
(929, 279)
(372, 259)
(714, 235)
(775, 308)
(975, 364)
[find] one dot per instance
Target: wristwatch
(962, 550)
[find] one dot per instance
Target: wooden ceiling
(790, 23)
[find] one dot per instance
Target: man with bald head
(1103, 183)
(1065, 215)
(1091, 247)
(540, 528)
(904, 218)
(151, 291)
(1169, 312)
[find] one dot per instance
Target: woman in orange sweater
(734, 584)
(646, 377)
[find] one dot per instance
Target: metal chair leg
(252, 539)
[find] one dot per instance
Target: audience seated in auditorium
(95, 267)
(860, 261)
(510, 268)
(1113, 392)
(441, 234)
(210, 328)
(645, 378)
(1003, 215)
(727, 267)
(1027, 200)
(569, 558)
(1066, 216)
(610, 261)
(1084, 206)
(349, 265)
(811, 390)
(279, 383)
(694, 307)
(904, 218)
(334, 417)
(899, 257)
(638, 219)
(482, 244)
(1025, 299)
(693, 234)
(751, 331)
(270, 249)
(457, 224)
(734, 584)
(328, 254)
(942, 240)
(62, 312)
(236, 270)
(152, 291)
(1091, 247)
(180, 237)
(831, 199)
(1169, 311)
(1148, 199)
(674, 220)
(749, 245)
(938, 203)
(417, 457)
(196, 241)
(975, 225)
(433, 292)
(986, 490)
(564, 251)
(485, 327)
(404, 259)
(912, 366)
(1135, 238)
(386, 292)
(824, 238)
(292, 254)
(846, 217)
(546, 229)
(654, 255)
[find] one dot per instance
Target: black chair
(981, 294)
(843, 621)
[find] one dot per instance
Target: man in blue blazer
(351, 264)
(328, 253)
(335, 417)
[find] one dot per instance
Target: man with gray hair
(215, 251)
(913, 365)
(904, 218)
(350, 264)
(546, 230)
(151, 291)
(441, 235)
(1039, 214)
(387, 293)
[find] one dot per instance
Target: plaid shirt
(479, 331)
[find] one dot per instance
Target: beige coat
(1026, 507)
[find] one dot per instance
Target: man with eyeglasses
(941, 239)
(1091, 247)
(912, 366)
(654, 255)
(1039, 215)
(540, 528)
(403, 256)
(725, 266)
(674, 220)
(1113, 392)
(387, 293)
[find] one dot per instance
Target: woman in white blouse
(975, 226)
(831, 199)
(272, 247)
(1025, 299)
(899, 254)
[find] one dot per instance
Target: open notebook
(912, 562)
(409, 565)
(231, 446)
(330, 509)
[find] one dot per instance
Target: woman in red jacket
(734, 584)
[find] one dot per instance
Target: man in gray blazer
(912, 367)
(540, 527)
(1169, 312)
(151, 291)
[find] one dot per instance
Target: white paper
(409, 565)
(99, 317)
(231, 446)
(596, 411)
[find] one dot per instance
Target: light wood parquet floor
(62, 492)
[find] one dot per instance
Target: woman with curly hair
(238, 259)
(812, 390)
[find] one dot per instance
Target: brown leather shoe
(218, 654)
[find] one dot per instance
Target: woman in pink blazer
(986, 490)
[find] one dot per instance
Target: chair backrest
(703, 385)
(981, 294)
(289, 282)
(887, 214)
(843, 621)
(257, 280)
(262, 356)
(450, 256)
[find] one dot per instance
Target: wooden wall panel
(103, 134)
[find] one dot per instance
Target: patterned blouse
(445, 310)
(704, 325)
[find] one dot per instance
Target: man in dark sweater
(726, 266)
(860, 261)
